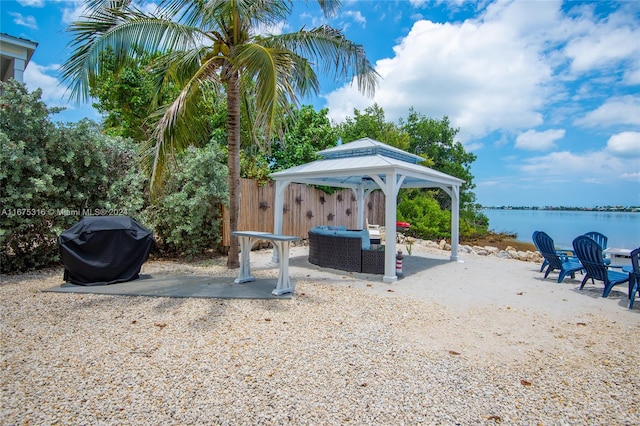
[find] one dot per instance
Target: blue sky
(545, 93)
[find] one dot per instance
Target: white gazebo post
(360, 194)
(390, 187)
(455, 221)
(390, 225)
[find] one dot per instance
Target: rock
(508, 253)
(431, 244)
(464, 249)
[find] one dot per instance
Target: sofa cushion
(363, 235)
(342, 231)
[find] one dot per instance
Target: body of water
(622, 229)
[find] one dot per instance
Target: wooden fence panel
(304, 208)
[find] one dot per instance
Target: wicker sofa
(344, 253)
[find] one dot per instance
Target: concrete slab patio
(201, 286)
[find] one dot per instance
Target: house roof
(12, 48)
(352, 164)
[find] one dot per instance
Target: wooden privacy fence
(304, 208)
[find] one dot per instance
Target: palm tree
(214, 44)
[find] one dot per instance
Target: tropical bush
(186, 216)
(51, 174)
(428, 220)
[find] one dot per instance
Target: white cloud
(539, 141)
(25, 21)
(603, 44)
(617, 110)
(632, 75)
(625, 144)
(73, 12)
(274, 29)
(38, 76)
(597, 167)
(631, 176)
(505, 69)
(483, 75)
(149, 7)
(589, 166)
(356, 16)
(32, 3)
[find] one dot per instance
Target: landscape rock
(508, 253)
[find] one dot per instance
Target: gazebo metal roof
(364, 165)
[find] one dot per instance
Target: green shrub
(186, 217)
(51, 175)
(427, 220)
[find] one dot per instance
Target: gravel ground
(334, 354)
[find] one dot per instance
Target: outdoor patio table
(281, 243)
(618, 256)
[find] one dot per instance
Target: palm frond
(176, 68)
(178, 125)
(333, 52)
(330, 7)
(276, 77)
(127, 31)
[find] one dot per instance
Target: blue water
(622, 229)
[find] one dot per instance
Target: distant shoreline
(628, 209)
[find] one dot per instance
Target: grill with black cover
(101, 250)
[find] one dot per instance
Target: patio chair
(535, 242)
(599, 238)
(589, 254)
(545, 262)
(376, 233)
(602, 240)
(566, 265)
(634, 277)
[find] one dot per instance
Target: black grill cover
(102, 250)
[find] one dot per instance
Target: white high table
(618, 256)
(281, 243)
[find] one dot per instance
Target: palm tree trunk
(233, 162)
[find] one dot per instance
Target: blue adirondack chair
(602, 240)
(589, 253)
(634, 277)
(565, 265)
(545, 262)
(599, 238)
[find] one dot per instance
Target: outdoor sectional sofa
(346, 250)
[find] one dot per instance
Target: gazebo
(363, 166)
